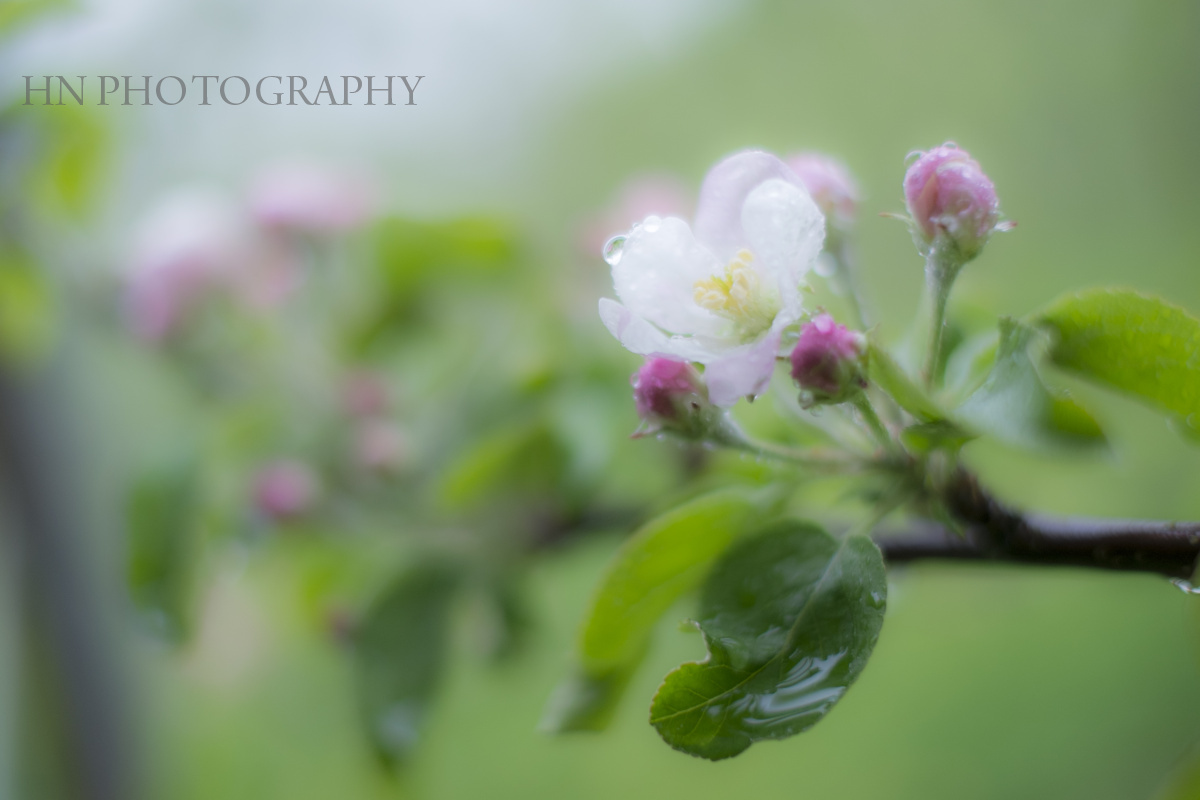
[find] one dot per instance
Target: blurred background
(284, 381)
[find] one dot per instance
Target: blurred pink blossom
(285, 489)
(190, 244)
(379, 446)
(830, 184)
(364, 394)
(659, 195)
(309, 198)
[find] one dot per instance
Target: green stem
(731, 436)
(839, 250)
(878, 429)
(940, 272)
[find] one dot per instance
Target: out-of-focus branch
(37, 471)
(994, 532)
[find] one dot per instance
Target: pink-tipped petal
(718, 222)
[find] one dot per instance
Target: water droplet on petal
(651, 224)
(614, 248)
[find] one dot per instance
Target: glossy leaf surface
(1132, 343)
(1015, 406)
(667, 557)
(790, 617)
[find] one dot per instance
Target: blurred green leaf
(26, 310)
(1016, 407)
(1132, 343)
(412, 256)
(666, 558)
(888, 375)
(60, 152)
(164, 546)
(16, 12)
(506, 619)
(929, 436)
(513, 464)
(1185, 783)
(789, 617)
(969, 364)
(400, 652)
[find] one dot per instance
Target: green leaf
(413, 257)
(1016, 407)
(929, 436)
(512, 465)
(27, 312)
(163, 544)
(666, 558)
(790, 618)
(1132, 343)
(889, 376)
(400, 650)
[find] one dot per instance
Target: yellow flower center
(739, 296)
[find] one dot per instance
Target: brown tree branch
(994, 532)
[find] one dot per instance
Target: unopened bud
(829, 362)
(951, 201)
(830, 184)
(285, 490)
(671, 396)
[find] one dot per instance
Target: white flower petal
(655, 277)
(785, 231)
(641, 337)
(746, 370)
(718, 223)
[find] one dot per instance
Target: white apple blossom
(721, 292)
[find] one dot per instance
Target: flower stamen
(738, 295)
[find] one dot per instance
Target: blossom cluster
(727, 292)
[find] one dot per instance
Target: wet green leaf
(1132, 343)
(667, 557)
(1016, 407)
(400, 650)
(163, 546)
(790, 617)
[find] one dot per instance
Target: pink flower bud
(285, 490)
(828, 361)
(829, 182)
(308, 198)
(670, 395)
(949, 197)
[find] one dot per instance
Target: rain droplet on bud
(613, 249)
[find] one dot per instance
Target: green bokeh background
(988, 682)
